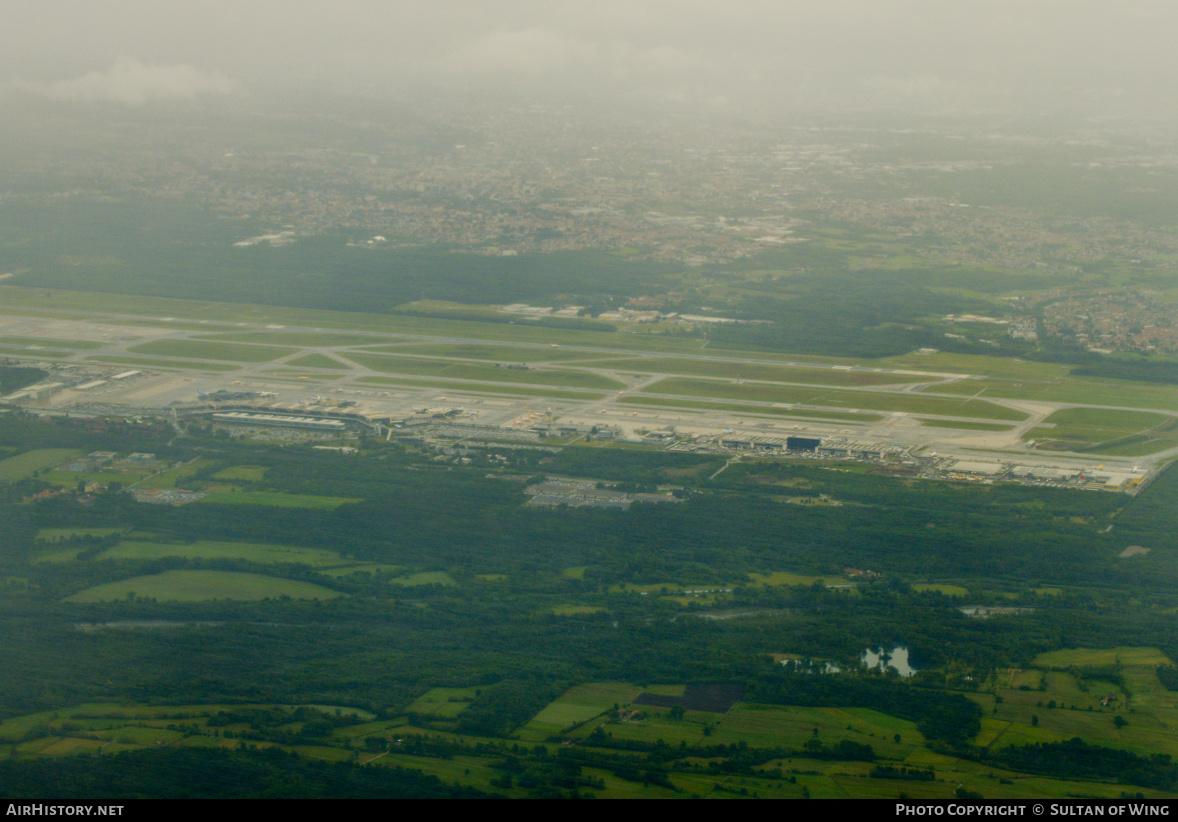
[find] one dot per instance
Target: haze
(1084, 57)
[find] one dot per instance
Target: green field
(785, 578)
(276, 499)
(838, 398)
(578, 705)
(144, 362)
(196, 586)
(1103, 429)
(51, 534)
(491, 353)
(766, 410)
(425, 578)
(204, 350)
(252, 473)
(963, 424)
(753, 371)
(303, 339)
(29, 463)
(317, 361)
(445, 703)
(481, 388)
(1070, 390)
(421, 366)
(51, 342)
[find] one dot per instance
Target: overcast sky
(929, 54)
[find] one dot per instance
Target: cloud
(531, 51)
(132, 83)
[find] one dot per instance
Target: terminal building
(281, 421)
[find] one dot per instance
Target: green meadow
(196, 586)
(206, 549)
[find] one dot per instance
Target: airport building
(281, 421)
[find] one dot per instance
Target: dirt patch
(717, 699)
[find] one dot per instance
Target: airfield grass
(767, 410)
(754, 371)
(29, 463)
(1007, 367)
(275, 499)
(56, 303)
(1097, 425)
(317, 360)
(421, 366)
(1071, 390)
(51, 342)
(963, 424)
(144, 362)
(35, 354)
(1108, 431)
(197, 586)
(839, 398)
(481, 388)
(303, 339)
(206, 350)
(206, 549)
(491, 353)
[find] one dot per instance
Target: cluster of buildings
(1127, 320)
(68, 377)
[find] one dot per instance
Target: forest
(440, 577)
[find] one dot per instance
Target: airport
(642, 400)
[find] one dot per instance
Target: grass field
(785, 578)
(421, 366)
(173, 477)
(144, 362)
(51, 534)
(425, 578)
(317, 361)
(766, 410)
(577, 705)
(481, 388)
(491, 353)
(51, 342)
(203, 549)
(963, 424)
(446, 703)
(29, 463)
(838, 398)
(251, 473)
(947, 590)
(1071, 390)
(302, 339)
(276, 499)
(1107, 431)
(196, 586)
(753, 371)
(205, 350)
